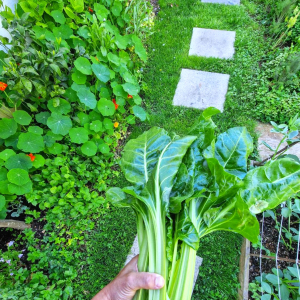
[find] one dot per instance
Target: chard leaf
(186, 231)
(232, 150)
(269, 185)
(204, 127)
(233, 216)
(141, 154)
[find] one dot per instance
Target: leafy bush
(69, 89)
(277, 96)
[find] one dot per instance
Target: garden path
(198, 89)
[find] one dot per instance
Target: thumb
(143, 280)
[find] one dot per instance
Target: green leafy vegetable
(184, 188)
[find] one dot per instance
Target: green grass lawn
(168, 51)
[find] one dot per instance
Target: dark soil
(270, 241)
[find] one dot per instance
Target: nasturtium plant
(59, 124)
(83, 65)
(18, 176)
(18, 161)
(101, 71)
(89, 148)
(22, 117)
(106, 107)
(6, 154)
(42, 117)
(8, 127)
(95, 126)
(87, 97)
(31, 142)
(139, 112)
(58, 16)
(186, 187)
(79, 135)
(59, 106)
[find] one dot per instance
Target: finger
(131, 266)
(143, 280)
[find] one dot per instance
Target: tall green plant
(184, 188)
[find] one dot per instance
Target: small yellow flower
(116, 124)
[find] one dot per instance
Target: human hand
(128, 281)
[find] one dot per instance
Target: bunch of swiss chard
(184, 188)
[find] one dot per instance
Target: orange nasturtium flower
(129, 96)
(115, 103)
(116, 124)
(3, 86)
(32, 157)
(90, 10)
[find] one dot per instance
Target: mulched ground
(270, 240)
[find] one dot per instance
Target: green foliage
(62, 66)
(184, 188)
(269, 284)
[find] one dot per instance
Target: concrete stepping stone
(226, 2)
(212, 43)
(135, 251)
(273, 139)
(198, 89)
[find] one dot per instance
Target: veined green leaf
(232, 150)
(269, 185)
(141, 155)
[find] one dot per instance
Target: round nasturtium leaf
(19, 161)
(6, 154)
(59, 105)
(56, 148)
(42, 117)
(87, 97)
(104, 148)
(131, 89)
(39, 161)
(36, 130)
(8, 127)
(89, 148)
(22, 117)
(101, 71)
(83, 118)
(96, 126)
(83, 65)
(18, 176)
(106, 107)
(20, 189)
(59, 124)
(31, 142)
(64, 31)
(108, 124)
(139, 112)
(58, 16)
(78, 77)
(79, 135)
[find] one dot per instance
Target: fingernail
(159, 282)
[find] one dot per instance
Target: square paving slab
(227, 2)
(201, 90)
(273, 139)
(135, 251)
(212, 43)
